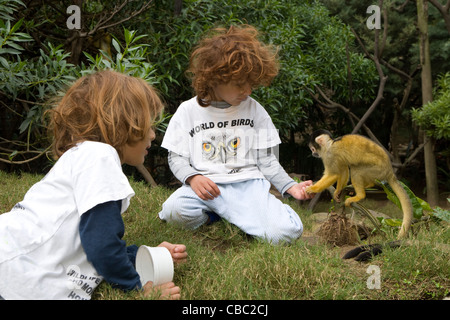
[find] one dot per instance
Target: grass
(224, 263)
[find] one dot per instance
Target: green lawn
(223, 263)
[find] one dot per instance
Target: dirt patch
(338, 230)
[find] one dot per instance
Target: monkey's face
(314, 150)
(319, 142)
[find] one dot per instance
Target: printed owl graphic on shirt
(217, 147)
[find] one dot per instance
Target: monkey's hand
(336, 195)
(310, 190)
(299, 192)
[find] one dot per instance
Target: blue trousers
(247, 204)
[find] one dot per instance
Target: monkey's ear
(323, 139)
(320, 140)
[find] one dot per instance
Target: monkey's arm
(326, 181)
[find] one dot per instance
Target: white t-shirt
(221, 143)
(41, 256)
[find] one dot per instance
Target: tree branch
(40, 154)
(402, 6)
(383, 79)
(102, 24)
(334, 105)
(444, 10)
(146, 174)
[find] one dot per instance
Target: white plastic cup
(154, 264)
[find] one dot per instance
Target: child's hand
(178, 251)
(298, 191)
(204, 187)
(165, 291)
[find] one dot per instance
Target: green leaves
(7, 7)
(33, 79)
(36, 79)
(9, 38)
(420, 207)
(129, 58)
(442, 214)
(434, 117)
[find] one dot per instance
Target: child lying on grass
(65, 237)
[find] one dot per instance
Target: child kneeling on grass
(65, 237)
(221, 143)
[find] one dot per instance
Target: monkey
(364, 161)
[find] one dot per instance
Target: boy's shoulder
(188, 105)
(94, 146)
(90, 150)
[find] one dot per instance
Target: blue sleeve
(101, 231)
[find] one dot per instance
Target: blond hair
(105, 106)
(231, 55)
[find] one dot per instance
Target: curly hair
(107, 107)
(233, 55)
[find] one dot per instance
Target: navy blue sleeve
(101, 231)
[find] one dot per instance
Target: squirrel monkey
(364, 161)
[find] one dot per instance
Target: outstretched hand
(298, 191)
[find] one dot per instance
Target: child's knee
(286, 232)
(179, 212)
(280, 235)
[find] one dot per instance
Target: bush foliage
(434, 117)
(314, 49)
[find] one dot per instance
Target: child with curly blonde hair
(65, 236)
(221, 142)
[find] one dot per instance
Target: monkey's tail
(406, 206)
